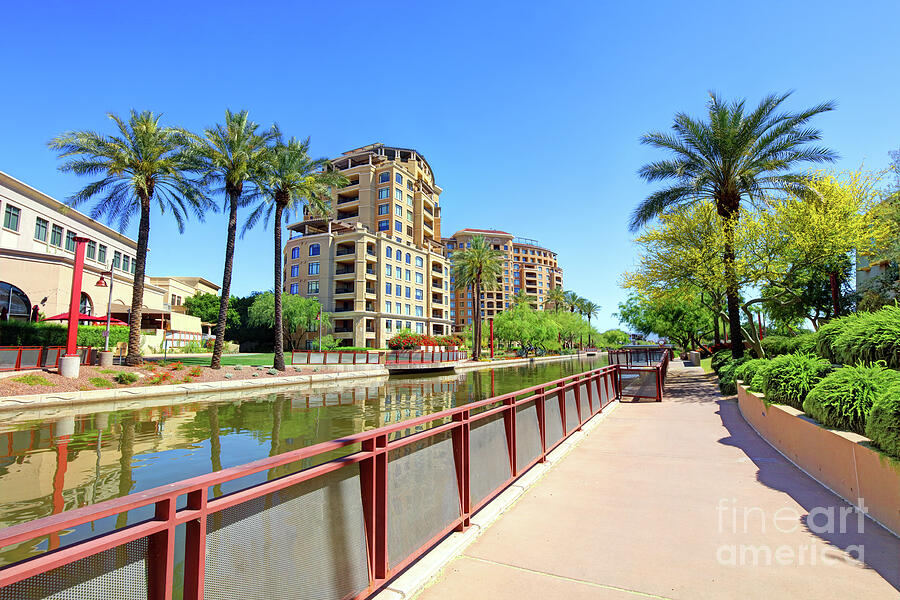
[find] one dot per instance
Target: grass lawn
(706, 363)
(253, 360)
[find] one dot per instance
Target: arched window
(86, 306)
(14, 301)
(314, 250)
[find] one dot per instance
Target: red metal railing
(410, 357)
(18, 358)
(334, 358)
(526, 425)
(641, 373)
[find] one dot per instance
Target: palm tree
(521, 297)
(557, 296)
(292, 179)
(233, 157)
(478, 267)
(589, 310)
(571, 300)
(143, 164)
(731, 158)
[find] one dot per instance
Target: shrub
(883, 421)
(196, 372)
(101, 382)
(843, 399)
(24, 333)
(411, 341)
(748, 370)
(125, 378)
(776, 345)
(787, 379)
(869, 338)
(719, 358)
(727, 381)
(176, 366)
(32, 379)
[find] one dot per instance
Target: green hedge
(843, 399)
(719, 359)
(727, 370)
(870, 337)
(787, 379)
(883, 422)
(23, 333)
(747, 371)
(776, 345)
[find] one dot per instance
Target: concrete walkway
(675, 500)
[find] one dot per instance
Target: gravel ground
(148, 374)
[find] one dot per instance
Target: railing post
(161, 554)
(195, 547)
(542, 422)
(373, 483)
(461, 458)
(509, 422)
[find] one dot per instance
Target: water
(57, 459)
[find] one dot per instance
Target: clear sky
(529, 113)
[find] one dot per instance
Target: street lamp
(102, 283)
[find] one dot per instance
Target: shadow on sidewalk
(881, 548)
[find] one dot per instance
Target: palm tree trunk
(731, 291)
(137, 292)
(219, 345)
(279, 333)
(476, 351)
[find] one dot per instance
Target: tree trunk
(718, 339)
(731, 291)
(476, 333)
(137, 292)
(279, 329)
(219, 345)
(835, 294)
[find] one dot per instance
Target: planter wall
(840, 460)
(694, 357)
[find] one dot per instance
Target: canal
(57, 459)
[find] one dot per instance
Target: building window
(418, 294)
(40, 229)
(295, 252)
(398, 210)
(408, 258)
(70, 241)
(384, 193)
(419, 310)
(398, 290)
(383, 209)
(101, 251)
(295, 288)
(11, 217)
(409, 199)
(133, 263)
(419, 278)
(399, 312)
(387, 288)
(56, 235)
(398, 226)
(126, 264)
(384, 177)
(408, 311)
(387, 324)
(295, 270)
(384, 225)
(91, 249)
(314, 249)
(398, 178)
(408, 291)
(312, 287)
(408, 275)
(313, 268)
(408, 325)
(117, 260)
(388, 270)
(420, 328)
(409, 215)
(398, 194)
(387, 307)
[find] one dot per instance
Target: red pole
(759, 319)
(75, 300)
(492, 339)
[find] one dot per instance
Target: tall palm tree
(521, 297)
(232, 156)
(732, 157)
(478, 267)
(142, 165)
(571, 300)
(589, 310)
(556, 296)
(292, 179)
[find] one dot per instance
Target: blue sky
(529, 113)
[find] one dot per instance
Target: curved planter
(842, 461)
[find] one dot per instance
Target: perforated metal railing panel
(553, 430)
(528, 435)
(305, 542)
(488, 457)
(423, 495)
(585, 402)
(115, 574)
(639, 384)
(571, 410)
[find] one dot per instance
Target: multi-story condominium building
(376, 262)
(37, 254)
(527, 267)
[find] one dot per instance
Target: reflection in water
(59, 459)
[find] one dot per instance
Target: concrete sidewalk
(675, 500)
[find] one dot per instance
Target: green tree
(732, 158)
(142, 165)
(678, 316)
(557, 297)
(233, 158)
(589, 310)
(478, 267)
(571, 300)
(299, 315)
(206, 308)
(292, 179)
(521, 297)
(527, 327)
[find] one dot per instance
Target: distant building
(376, 262)
(527, 266)
(37, 254)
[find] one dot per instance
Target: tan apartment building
(376, 263)
(527, 267)
(37, 256)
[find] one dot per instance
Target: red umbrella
(83, 317)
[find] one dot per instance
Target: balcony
(428, 210)
(344, 289)
(347, 199)
(342, 270)
(348, 214)
(344, 251)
